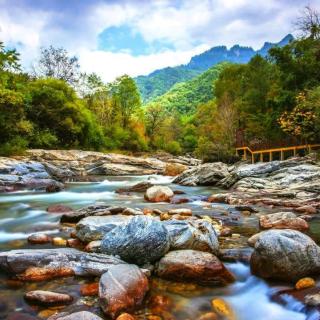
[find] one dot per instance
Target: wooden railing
(244, 152)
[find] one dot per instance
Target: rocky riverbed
(85, 235)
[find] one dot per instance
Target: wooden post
(261, 157)
(294, 152)
(270, 156)
(252, 158)
(245, 154)
(282, 155)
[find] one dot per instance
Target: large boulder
(197, 235)
(283, 220)
(284, 255)
(142, 240)
(205, 174)
(94, 228)
(121, 289)
(44, 264)
(159, 194)
(195, 266)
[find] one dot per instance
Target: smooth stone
(44, 264)
(223, 309)
(159, 194)
(197, 235)
(287, 255)
(91, 289)
(121, 289)
(139, 187)
(81, 315)
(39, 238)
(94, 228)
(125, 316)
(181, 211)
(305, 283)
(47, 298)
(193, 266)
(174, 169)
(283, 220)
(58, 241)
(142, 240)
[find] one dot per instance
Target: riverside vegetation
(92, 235)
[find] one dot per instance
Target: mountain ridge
(160, 81)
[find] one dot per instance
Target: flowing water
(23, 213)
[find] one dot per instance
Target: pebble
(47, 298)
(39, 238)
(58, 241)
(305, 283)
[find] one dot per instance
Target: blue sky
(137, 37)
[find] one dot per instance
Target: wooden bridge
(268, 154)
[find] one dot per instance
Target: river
(23, 213)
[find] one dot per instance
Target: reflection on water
(23, 213)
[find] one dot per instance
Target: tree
(56, 63)
(309, 23)
(303, 121)
(155, 117)
(55, 110)
(9, 59)
(127, 97)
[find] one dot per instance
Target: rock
(208, 316)
(159, 194)
(59, 208)
(305, 283)
(165, 216)
(20, 316)
(139, 187)
(142, 240)
(132, 212)
(174, 169)
(181, 211)
(195, 266)
(306, 209)
(81, 315)
(284, 255)
(197, 235)
(223, 309)
(93, 246)
(91, 289)
(125, 316)
(312, 300)
(94, 228)
(58, 241)
(121, 289)
(205, 174)
(44, 264)
(54, 187)
(246, 208)
(39, 238)
(47, 298)
(235, 254)
(74, 243)
(283, 220)
(92, 210)
(177, 200)
(218, 197)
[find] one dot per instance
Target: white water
(248, 296)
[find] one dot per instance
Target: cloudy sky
(113, 37)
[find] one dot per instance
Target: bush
(173, 147)
(16, 146)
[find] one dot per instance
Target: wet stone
(47, 298)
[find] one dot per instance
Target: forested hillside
(184, 97)
(160, 81)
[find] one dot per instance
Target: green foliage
(173, 147)
(56, 110)
(184, 97)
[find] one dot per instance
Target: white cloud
(111, 65)
(189, 26)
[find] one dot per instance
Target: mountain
(160, 81)
(184, 97)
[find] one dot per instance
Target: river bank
(212, 222)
